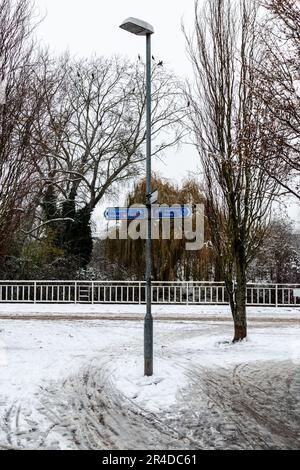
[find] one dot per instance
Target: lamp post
(140, 28)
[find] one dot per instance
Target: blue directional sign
(182, 212)
(125, 213)
(140, 213)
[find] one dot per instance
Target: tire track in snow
(240, 414)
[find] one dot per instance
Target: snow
(36, 353)
(69, 384)
(3, 85)
(152, 393)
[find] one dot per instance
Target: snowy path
(136, 312)
(79, 385)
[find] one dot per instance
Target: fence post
(140, 293)
(187, 293)
(276, 295)
(75, 293)
(92, 292)
(34, 292)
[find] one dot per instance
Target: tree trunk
(240, 316)
(240, 332)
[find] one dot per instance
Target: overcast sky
(87, 27)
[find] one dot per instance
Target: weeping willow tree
(171, 260)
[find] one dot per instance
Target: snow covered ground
(79, 384)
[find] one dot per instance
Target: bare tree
(278, 258)
(92, 139)
(277, 85)
(16, 116)
(228, 126)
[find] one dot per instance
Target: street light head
(136, 26)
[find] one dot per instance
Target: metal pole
(148, 324)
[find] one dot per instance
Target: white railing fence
(133, 292)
